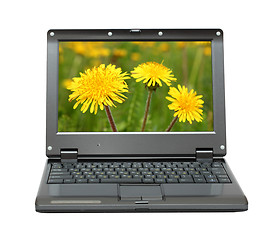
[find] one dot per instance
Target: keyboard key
(59, 170)
(76, 173)
(190, 169)
(56, 166)
(201, 169)
(137, 176)
(149, 176)
(184, 165)
(211, 180)
(102, 177)
(186, 177)
(224, 180)
(210, 176)
(194, 165)
(185, 180)
(160, 180)
(222, 176)
(199, 180)
(60, 173)
(81, 180)
(55, 181)
(171, 176)
(148, 180)
(198, 176)
(93, 180)
(120, 180)
(60, 176)
(69, 180)
(79, 176)
(90, 176)
(85, 169)
(216, 171)
(171, 180)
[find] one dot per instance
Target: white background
(249, 43)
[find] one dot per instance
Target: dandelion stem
(110, 118)
(146, 110)
(171, 124)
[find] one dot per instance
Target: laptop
(136, 123)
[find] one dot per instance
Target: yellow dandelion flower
(67, 83)
(144, 44)
(60, 49)
(181, 44)
(201, 43)
(152, 73)
(135, 56)
(187, 105)
(119, 52)
(207, 51)
(61, 58)
(89, 49)
(164, 47)
(99, 86)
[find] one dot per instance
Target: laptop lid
(148, 92)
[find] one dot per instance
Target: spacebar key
(121, 180)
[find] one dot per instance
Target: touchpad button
(132, 192)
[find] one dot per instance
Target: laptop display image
(162, 70)
(136, 122)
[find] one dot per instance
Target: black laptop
(136, 123)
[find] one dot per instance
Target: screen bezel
(135, 143)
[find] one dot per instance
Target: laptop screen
(148, 86)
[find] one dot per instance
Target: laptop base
(103, 197)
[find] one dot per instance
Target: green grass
(190, 65)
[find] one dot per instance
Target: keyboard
(137, 172)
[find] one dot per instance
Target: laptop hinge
(204, 155)
(69, 155)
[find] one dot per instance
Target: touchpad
(132, 192)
